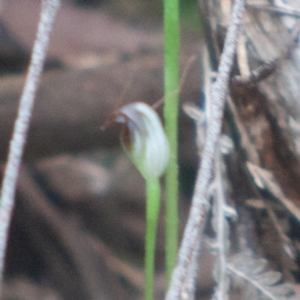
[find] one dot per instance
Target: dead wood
(263, 112)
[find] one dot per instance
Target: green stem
(171, 81)
(152, 212)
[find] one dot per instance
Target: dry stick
(221, 292)
(286, 10)
(186, 69)
(200, 205)
(188, 286)
(17, 143)
(245, 139)
(256, 75)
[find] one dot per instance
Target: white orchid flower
(144, 139)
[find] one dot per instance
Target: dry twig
(17, 143)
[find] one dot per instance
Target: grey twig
(256, 75)
(18, 141)
(221, 292)
(200, 204)
(285, 10)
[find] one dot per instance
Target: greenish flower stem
(152, 212)
(171, 83)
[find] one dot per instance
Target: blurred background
(78, 225)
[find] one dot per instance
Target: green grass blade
(171, 82)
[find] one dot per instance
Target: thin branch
(200, 204)
(253, 282)
(256, 75)
(265, 282)
(221, 292)
(201, 118)
(188, 286)
(285, 10)
(264, 179)
(17, 143)
(184, 75)
(286, 243)
(244, 136)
